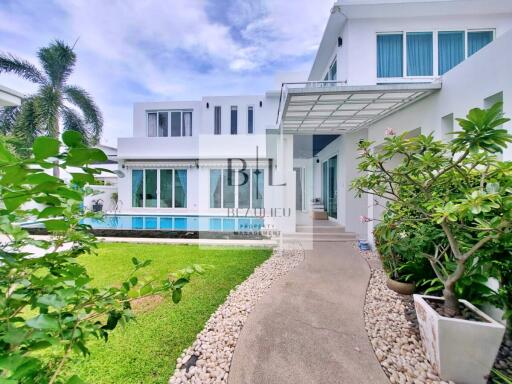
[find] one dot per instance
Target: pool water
(178, 223)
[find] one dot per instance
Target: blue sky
(140, 50)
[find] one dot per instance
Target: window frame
(169, 112)
(435, 51)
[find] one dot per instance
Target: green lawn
(146, 351)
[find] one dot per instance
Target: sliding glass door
(330, 186)
(164, 188)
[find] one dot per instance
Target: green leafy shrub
(459, 187)
(46, 301)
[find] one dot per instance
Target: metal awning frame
(329, 107)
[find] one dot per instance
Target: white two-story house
(410, 65)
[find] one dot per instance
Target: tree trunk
(56, 168)
(451, 303)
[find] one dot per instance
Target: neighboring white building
(9, 97)
(412, 65)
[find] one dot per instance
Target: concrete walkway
(310, 327)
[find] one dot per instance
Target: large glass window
(215, 188)
(169, 123)
(236, 189)
(180, 188)
(169, 184)
(478, 39)
(152, 124)
(151, 187)
(244, 189)
(390, 55)
(137, 188)
(166, 188)
(228, 188)
(217, 129)
(450, 50)
(420, 54)
(234, 120)
(250, 119)
(258, 186)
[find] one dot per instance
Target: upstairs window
(450, 50)
(234, 120)
(169, 123)
(217, 118)
(250, 119)
(478, 39)
(332, 72)
(390, 55)
(420, 54)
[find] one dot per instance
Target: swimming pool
(177, 223)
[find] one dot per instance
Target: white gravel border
(392, 327)
(215, 344)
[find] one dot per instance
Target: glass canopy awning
(328, 107)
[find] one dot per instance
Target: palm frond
(72, 121)
(7, 118)
(47, 106)
(26, 127)
(12, 64)
(58, 60)
(92, 114)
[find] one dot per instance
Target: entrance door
(330, 186)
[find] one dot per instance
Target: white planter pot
(460, 350)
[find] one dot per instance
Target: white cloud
(131, 51)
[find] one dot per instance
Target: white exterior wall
(357, 58)
(484, 74)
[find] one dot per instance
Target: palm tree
(55, 101)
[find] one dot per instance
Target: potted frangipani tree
(462, 188)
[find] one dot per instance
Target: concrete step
(326, 228)
(321, 236)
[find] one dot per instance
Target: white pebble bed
(215, 344)
(393, 330)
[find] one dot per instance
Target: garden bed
(392, 327)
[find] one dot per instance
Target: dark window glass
(151, 188)
(180, 188)
(166, 188)
(175, 123)
(257, 188)
(228, 182)
(217, 121)
(137, 188)
(163, 123)
(250, 120)
(234, 120)
(244, 189)
(215, 188)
